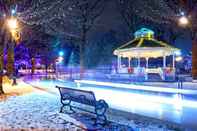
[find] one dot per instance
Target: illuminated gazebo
(146, 46)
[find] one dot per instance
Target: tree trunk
(82, 55)
(1, 84)
(46, 70)
(10, 60)
(1, 75)
(32, 66)
(194, 58)
(82, 49)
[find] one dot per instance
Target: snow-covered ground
(165, 106)
(27, 108)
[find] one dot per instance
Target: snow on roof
(144, 32)
(144, 45)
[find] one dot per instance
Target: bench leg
(71, 109)
(100, 116)
(101, 119)
(61, 109)
(66, 104)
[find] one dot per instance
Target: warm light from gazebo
(179, 58)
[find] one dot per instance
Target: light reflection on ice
(173, 107)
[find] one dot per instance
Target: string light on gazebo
(179, 58)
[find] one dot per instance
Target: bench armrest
(101, 104)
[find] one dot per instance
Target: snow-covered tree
(155, 14)
(101, 50)
(73, 60)
(69, 18)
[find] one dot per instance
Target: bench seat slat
(81, 96)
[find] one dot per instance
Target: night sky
(112, 20)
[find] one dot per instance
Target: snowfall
(31, 106)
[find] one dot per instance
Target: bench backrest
(76, 95)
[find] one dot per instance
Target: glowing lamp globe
(183, 21)
(61, 53)
(13, 11)
(12, 24)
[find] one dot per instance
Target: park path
(32, 107)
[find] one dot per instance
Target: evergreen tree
(73, 60)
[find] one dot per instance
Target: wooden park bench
(68, 95)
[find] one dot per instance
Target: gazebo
(146, 46)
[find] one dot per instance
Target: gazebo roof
(144, 45)
(144, 42)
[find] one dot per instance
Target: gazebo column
(119, 62)
(129, 60)
(138, 62)
(164, 66)
(164, 61)
(147, 62)
(173, 65)
(138, 65)
(146, 74)
(173, 61)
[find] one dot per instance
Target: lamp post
(13, 28)
(185, 21)
(59, 62)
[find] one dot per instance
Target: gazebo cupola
(144, 32)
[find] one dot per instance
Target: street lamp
(58, 64)
(12, 24)
(189, 22)
(13, 12)
(61, 53)
(13, 28)
(183, 21)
